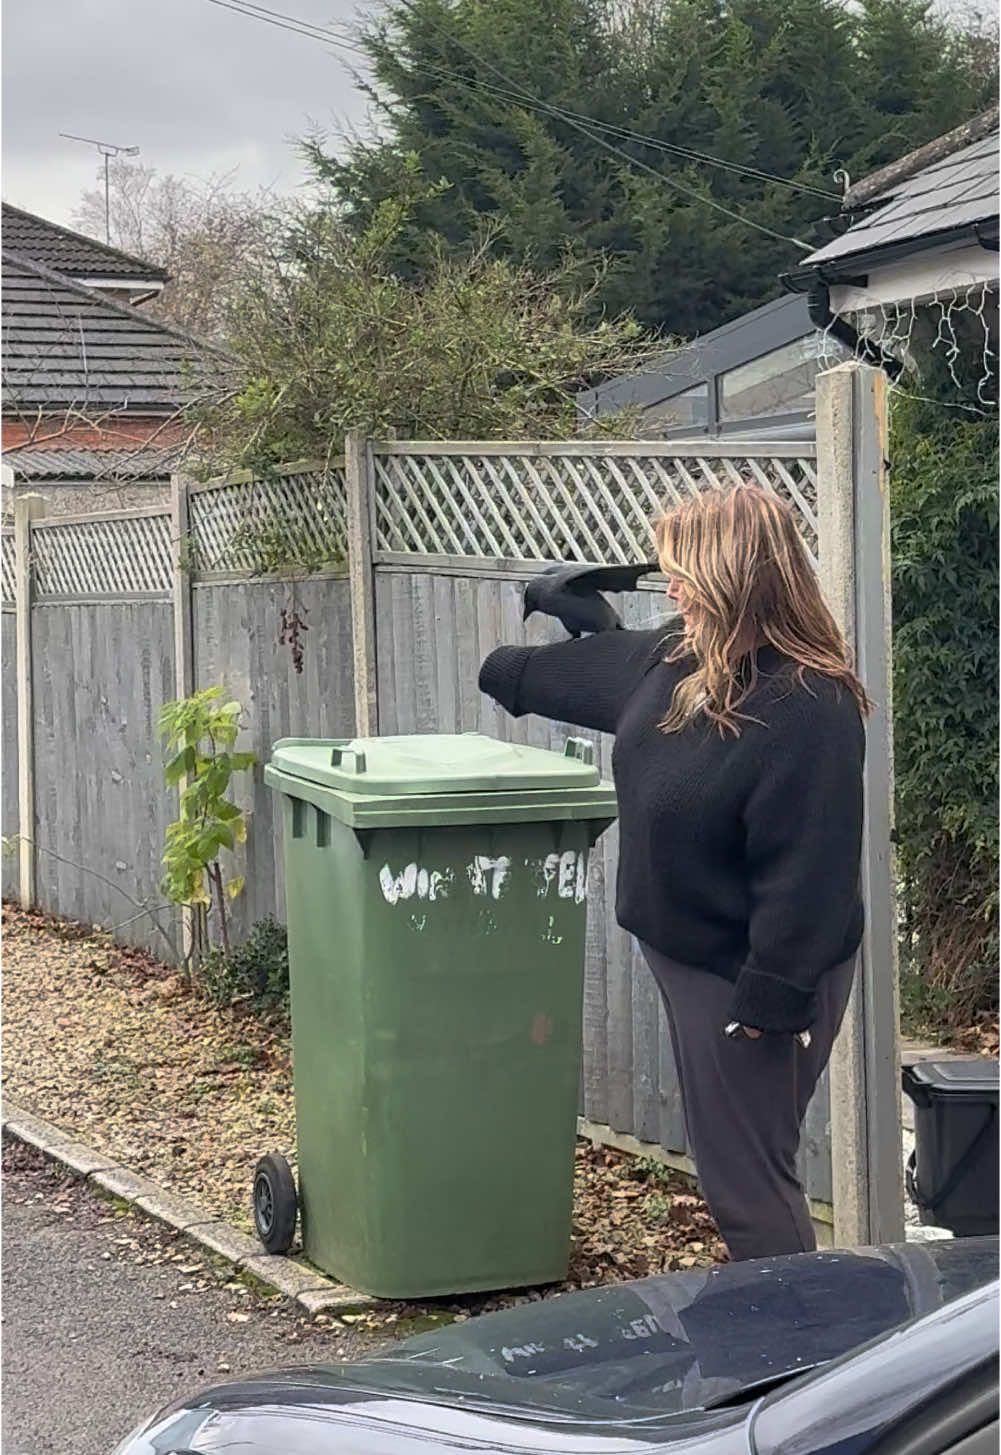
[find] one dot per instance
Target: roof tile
(65, 345)
(72, 253)
(954, 191)
(32, 463)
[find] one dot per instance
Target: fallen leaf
(130, 1063)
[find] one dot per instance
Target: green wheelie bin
(435, 892)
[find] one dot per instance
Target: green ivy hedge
(944, 500)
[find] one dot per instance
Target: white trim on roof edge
(148, 285)
(919, 277)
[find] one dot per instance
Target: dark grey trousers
(744, 1103)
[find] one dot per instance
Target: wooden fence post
(360, 485)
(180, 527)
(26, 509)
(854, 518)
(184, 647)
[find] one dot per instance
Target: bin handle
(916, 1090)
(337, 756)
(580, 748)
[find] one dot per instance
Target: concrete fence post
(182, 559)
(26, 509)
(358, 472)
(854, 521)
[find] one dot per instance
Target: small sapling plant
(201, 732)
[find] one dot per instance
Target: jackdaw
(572, 593)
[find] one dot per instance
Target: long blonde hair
(748, 583)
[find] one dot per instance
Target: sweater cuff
(767, 1003)
(500, 676)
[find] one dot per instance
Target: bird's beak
(527, 611)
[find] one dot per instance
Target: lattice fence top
(579, 503)
(109, 555)
(296, 518)
(7, 564)
(506, 502)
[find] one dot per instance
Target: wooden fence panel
(235, 629)
(101, 673)
(102, 669)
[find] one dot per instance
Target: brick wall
(112, 434)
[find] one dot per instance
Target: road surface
(107, 1315)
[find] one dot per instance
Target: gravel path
(109, 1046)
(112, 1048)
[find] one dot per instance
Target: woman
(738, 765)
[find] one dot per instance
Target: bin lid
(432, 763)
(972, 1076)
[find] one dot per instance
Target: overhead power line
(339, 39)
(291, 23)
(527, 99)
(586, 125)
(743, 169)
(618, 151)
(337, 35)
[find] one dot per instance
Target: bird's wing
(608, 578)
(574, 581)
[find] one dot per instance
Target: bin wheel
(275, 1203)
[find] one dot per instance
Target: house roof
(143, 463)
(71, 253)
(65, 345)
(747, 337)
(925, 204)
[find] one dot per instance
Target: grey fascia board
(799, 426)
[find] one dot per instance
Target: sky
(199, 89)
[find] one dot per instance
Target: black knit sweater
(739, 856)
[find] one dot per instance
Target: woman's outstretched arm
(584, 683)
